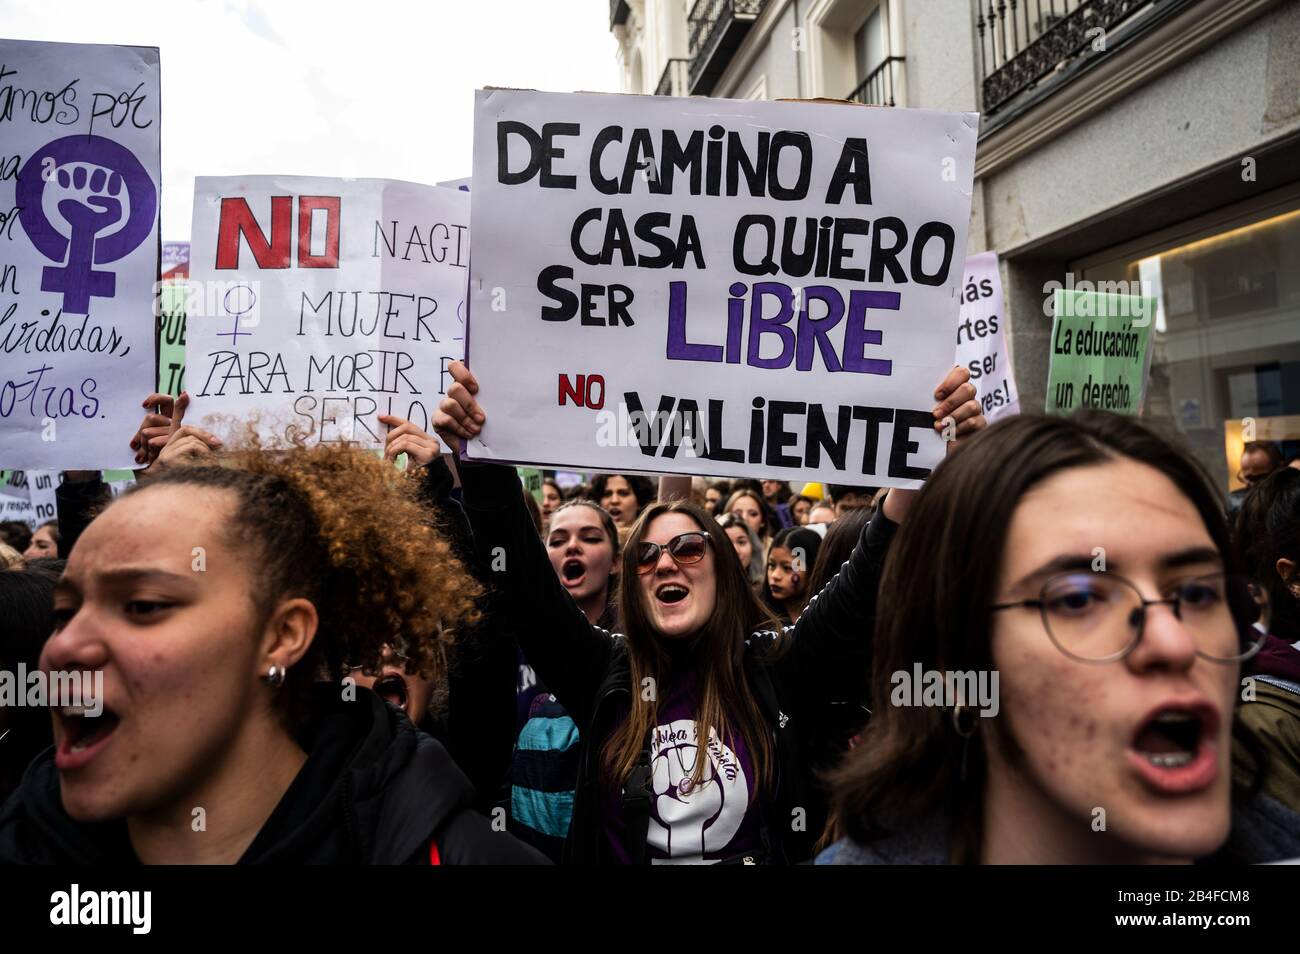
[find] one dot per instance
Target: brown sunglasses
(685, 549)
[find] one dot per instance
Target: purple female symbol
(93, 204)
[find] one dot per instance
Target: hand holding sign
(459, 413)
(958, 412)
(406, 438)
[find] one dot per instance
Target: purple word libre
(800, 334)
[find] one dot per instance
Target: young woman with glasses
(1099, 585)
(694, 724)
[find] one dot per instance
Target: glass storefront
(1226, 361)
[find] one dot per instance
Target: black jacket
(373, 790)
(822, 660)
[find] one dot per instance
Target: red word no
(237, 220)
(583, 392)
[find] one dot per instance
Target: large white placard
(79, 200)
(981, 337)
(316, 305)
(715, 286)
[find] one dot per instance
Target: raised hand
(459, 414)
(155, 424)
(405, 437)
(958, 413)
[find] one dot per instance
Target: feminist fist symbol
(93, 179)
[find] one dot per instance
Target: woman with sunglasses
(694, 724)
(1099, 586)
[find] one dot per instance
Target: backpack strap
(636, 806)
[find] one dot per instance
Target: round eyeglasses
(1099, 617)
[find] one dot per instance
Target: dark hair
(783, 492)
(16, 533)
(643, 488)
(755, 571)
(837, 546)
(1268, 448)
(551, 482)
(606, 521)
(770, 522)
(347, 531)
(716, 653)
(1267, 529)
(27, 606)
(838, 492)
(793, 538)
(908, 764)
(534, 509)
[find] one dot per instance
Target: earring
(965, 731)
(275, 677)
(960, 726)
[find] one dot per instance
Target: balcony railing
(618, 12)
(878, 88)
(676, 79)
(716, 29)
(1022, 42)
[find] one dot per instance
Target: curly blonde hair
(346, 530)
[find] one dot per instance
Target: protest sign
(316, 305)
(79, 174)
(714, 286)
(29, 496)
(1101, 351)
(171, 317)
(981, 337)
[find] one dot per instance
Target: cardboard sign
(316, 305)
(981, 337)
(1101, 352)
(713, 286)
(79, 200)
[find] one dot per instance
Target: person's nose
(1167, 642)
(79, 645)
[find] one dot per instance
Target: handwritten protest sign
(316, 305)
(29, 496)
(981, 337)
(715, 287)
(1101, 352)
(79, 174)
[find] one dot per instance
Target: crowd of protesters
(312, 655)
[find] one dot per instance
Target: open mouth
(1174, 748)
(84, 735)
(671, 593)
(573, 571)
(392, 689)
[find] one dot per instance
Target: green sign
(532, 481)
(1101, 351)
(171, 339)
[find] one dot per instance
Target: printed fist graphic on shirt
(691, 819)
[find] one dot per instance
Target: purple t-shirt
(710, 822)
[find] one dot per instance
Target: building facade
(1154, 143)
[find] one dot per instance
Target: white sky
(378, 88)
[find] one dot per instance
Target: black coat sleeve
(77, 502)
(828, 651)
(569, 654)
(477, 725)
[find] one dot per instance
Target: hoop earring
(274, 677)
(966, 732)
(959, 726)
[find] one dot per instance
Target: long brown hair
(727, 703)
(940, 577)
